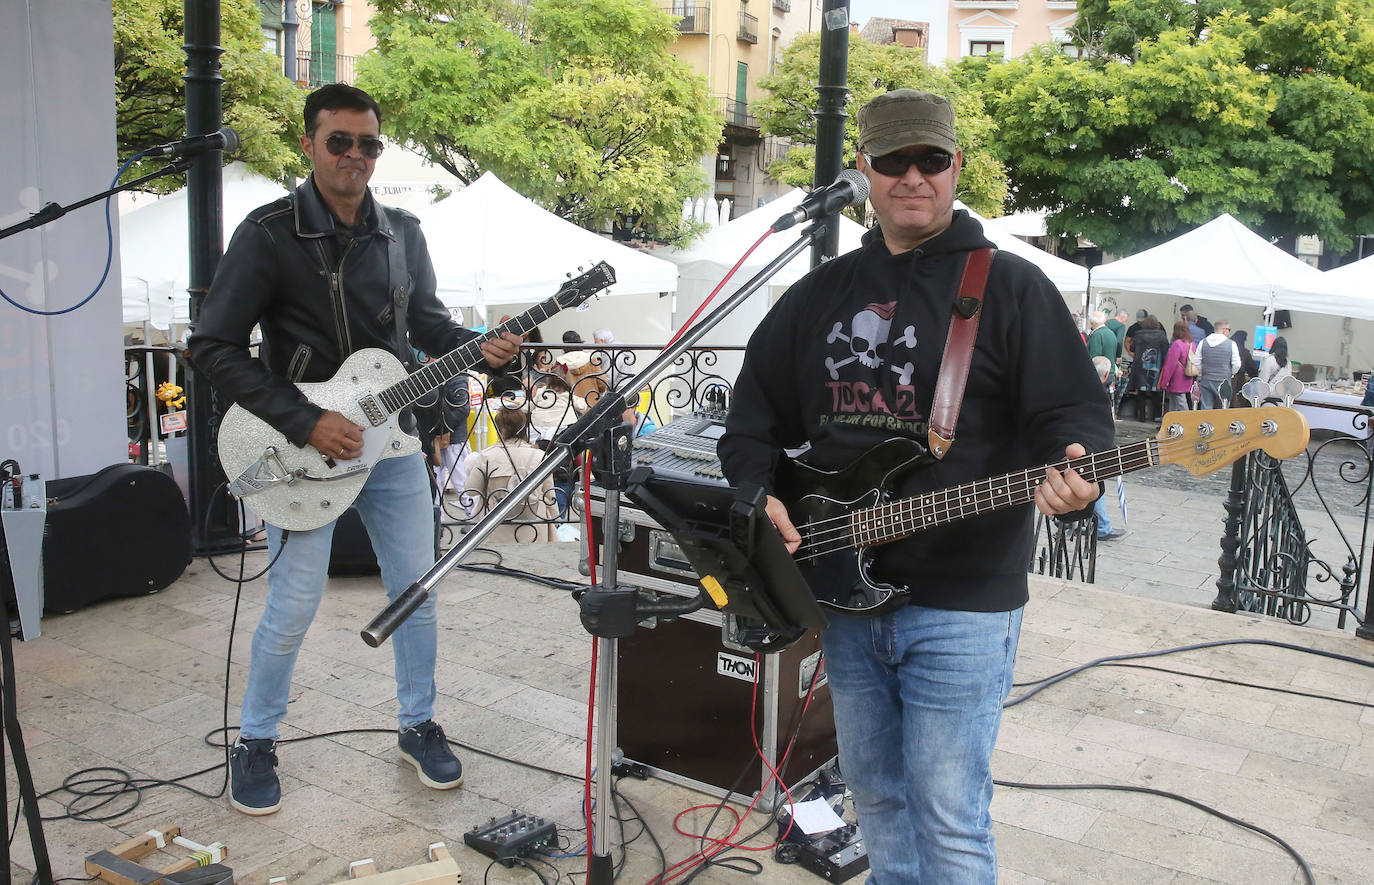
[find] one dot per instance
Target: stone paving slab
(138, 683)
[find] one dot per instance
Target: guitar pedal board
(838, 856)
(512, 836)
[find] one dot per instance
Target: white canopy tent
(1223, 264)
(491, 246)
(1223, 260)
(153, 251)
(1070, 279)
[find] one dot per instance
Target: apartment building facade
(734, 43)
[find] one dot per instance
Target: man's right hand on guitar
(337, 437)
(777, 512)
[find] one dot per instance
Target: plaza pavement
(135, 684)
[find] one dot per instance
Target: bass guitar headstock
(1205, 441)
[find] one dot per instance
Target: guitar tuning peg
(1288, 389)
(1256, 391)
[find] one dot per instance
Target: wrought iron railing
(145, 368)
(316, 69)
(554, 388)
(737, 113)
(1273, 565)
(748, 28)
(1065, 549)
(693, 19)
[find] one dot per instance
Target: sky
(862, 10)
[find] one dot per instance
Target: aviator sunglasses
(340, 144)
(895, 165)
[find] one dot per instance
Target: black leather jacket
(320, 292)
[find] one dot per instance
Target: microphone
(849, 188)
(226, 140)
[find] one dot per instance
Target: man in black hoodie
(849, 358)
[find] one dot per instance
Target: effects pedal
(837, 856)
(512, 836)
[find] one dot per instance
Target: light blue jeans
(918, 700)
(1104, 517)
(396, 509)
(1211, 394)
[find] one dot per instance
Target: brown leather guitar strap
(954, 365)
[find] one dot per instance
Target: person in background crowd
(1174, 379)
(1101, 340)
(499, 468)
(1275, 364)
(1218, 360)
(1105, 532)
(1118, 326)
(1197, 324)
(603, 338)
(1127, 347)
(1150, 344)
(1247, 359)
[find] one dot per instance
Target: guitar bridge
(373, 411)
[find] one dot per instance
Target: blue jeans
(918, 700)
(1104, 519)
(1210, 394)
(395, 507)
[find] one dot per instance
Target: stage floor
(137, 683)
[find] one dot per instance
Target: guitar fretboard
(889, 522)
(460, 359)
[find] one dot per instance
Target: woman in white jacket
(1275, 363)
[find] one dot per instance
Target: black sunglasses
(895, 165)
(340, 144)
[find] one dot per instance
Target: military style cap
(903, 118)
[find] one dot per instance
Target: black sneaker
(425, 747)
(253, 784)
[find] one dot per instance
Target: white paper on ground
(814, 816)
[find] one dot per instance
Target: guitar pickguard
(298, 488)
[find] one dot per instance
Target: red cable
(725, 279)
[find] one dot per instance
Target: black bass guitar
(842, 515)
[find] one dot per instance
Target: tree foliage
(1180, 111)
(577, 104)
(150, 104)
(786, 111)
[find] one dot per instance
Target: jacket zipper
(337, 301)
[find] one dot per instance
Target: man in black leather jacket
(323, 272)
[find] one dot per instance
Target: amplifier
(684, 692)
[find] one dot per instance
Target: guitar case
(123, 531)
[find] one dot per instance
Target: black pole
(833, 91)
(290, 25)
(214, 525)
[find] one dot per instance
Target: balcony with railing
(748, 28)
(692, 18)
(736, 113)
(315, 69)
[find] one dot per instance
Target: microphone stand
(53, 211)
(608, 611)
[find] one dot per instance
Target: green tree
(577, 104)
(150, 105)
(786, 111)
(1181, 111)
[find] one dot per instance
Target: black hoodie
(849, 357)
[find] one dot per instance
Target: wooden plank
(440, 872)
(146, 843)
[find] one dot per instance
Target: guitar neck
(898, 519)
(460, 359)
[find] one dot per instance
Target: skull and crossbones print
(867, 340)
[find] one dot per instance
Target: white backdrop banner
(61, 376)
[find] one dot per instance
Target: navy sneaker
(253, 784)
(425, 747)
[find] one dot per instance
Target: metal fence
(1272, 564)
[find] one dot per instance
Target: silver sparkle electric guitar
(300, 488)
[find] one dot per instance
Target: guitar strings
(842, 532)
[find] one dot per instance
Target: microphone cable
(109, 253)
